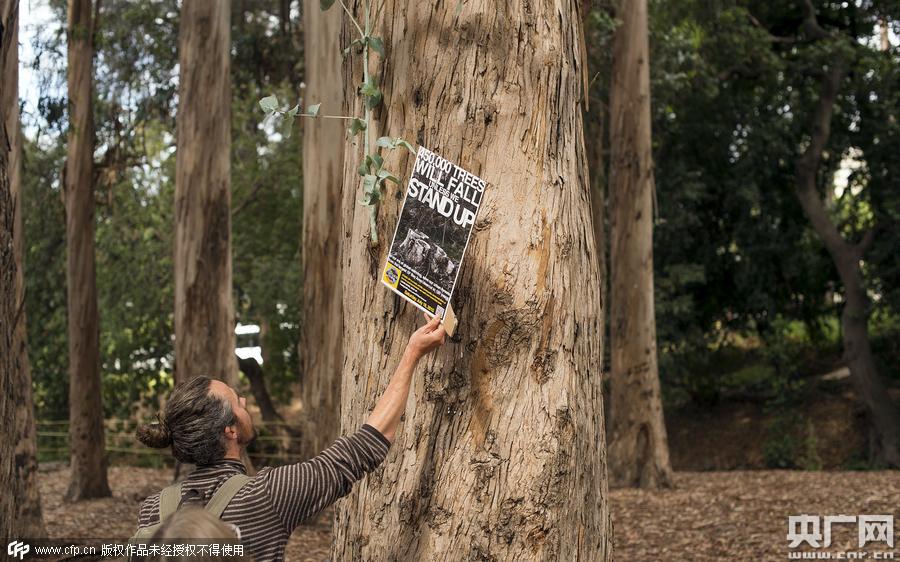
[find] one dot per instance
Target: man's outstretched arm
(303, 489)
(386, 415)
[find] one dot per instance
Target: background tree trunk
(638, 451)
(501, 455)
(86, 441)
(323, 147)
(27, 520)
(883, 413)
(204, 310)
(20, 506)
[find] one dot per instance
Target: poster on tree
(432, 233)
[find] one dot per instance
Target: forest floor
(740, 515)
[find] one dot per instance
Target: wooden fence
(273, 445)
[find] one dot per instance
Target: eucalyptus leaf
(325, 4)
(363, 169)
(269, 104)
(369, 87)
(370, 187)
(401, 142)
(385, 142)
(377, 45)
(378, 161)
(386, 175)
(287, 126)
(375, 99)
(356, 125)
(313, 110)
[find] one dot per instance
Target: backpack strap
(169, 499)
(219, 501)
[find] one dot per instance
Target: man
(206, 423)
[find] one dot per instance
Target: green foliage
(135, 85)
(373, 97)
(45, 278)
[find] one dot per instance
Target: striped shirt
(269, 507)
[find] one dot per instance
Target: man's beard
(248, 431)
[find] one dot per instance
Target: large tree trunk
(323, 147)
(20, 506)
(883, 413)
(638, 451)
(86, 441)
(501, 454)
(204, 311)
(27, 521)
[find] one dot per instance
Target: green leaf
(269, 104)
(351, 45)
(356, 125)
(385, 142)
(409, 147)
(377, 45)
(386, 175)
(325, 4)
(313, 110)
(292, 112)
(363, 169)
(287, 126)
(378, 161)
(371, 91)
(371, 194)
(369, 88)
(374, 100)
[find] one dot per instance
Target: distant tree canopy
(135, 106)
(733, 83)
(733, 87)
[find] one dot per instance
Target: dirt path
(740, 516)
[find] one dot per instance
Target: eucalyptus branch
(371, 168)
(314, 116)
(349, 15)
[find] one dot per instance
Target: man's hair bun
(154, 435)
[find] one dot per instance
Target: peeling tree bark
(638, 451)
(204, 311)
(86, 441)
(20, 505)
(27, 520)
(501, 455)
(323, 147)
(883, 413)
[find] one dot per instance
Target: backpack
(170, 497)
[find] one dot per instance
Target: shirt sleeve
(301, 490)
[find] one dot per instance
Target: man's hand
(426, 338)
(385, 417)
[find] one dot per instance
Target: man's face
(244, 427)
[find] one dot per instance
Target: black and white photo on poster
(433, 231)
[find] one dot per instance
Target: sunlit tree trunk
(27, 520)
(323, 146)
(638, 450)
(501, 453)
(88, 462)
(204, 310)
